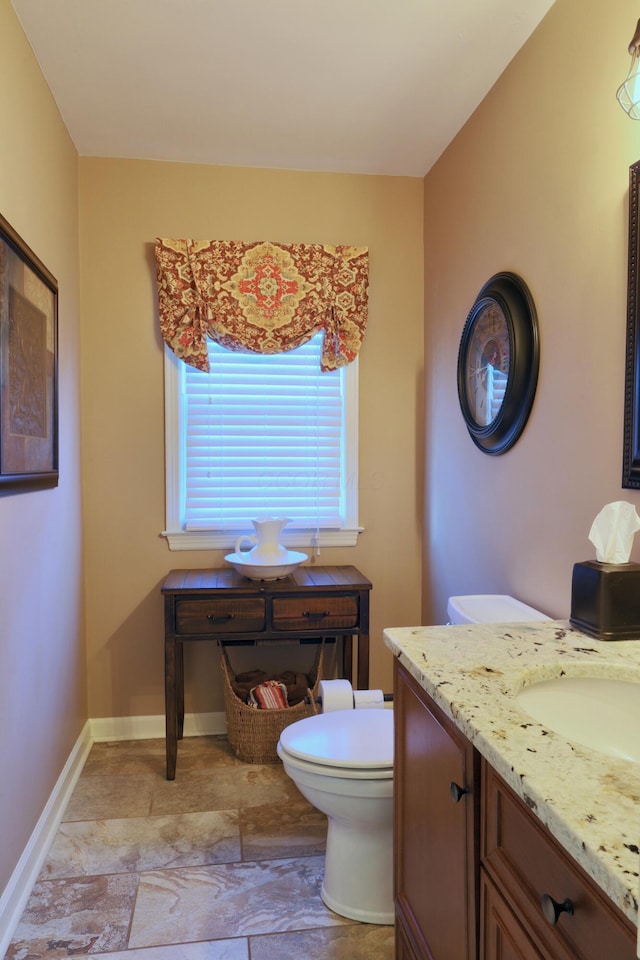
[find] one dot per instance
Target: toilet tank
(491, 608)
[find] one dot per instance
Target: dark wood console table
(221, 605)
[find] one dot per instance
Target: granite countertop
(589, 801)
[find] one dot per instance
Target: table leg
(363, 661)
(180, 688)
(170, 706)
(347, 658)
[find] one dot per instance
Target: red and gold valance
(264, 297)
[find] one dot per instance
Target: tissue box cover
(605, 599)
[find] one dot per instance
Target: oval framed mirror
(498, 362)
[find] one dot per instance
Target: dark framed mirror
(498, 362)
(631, 442)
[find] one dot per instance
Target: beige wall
(124, 206)
(536, 183)
(42, 663)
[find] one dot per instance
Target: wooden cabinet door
(501, 936)
(404, 948)
(435, 871)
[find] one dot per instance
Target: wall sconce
(629, 92)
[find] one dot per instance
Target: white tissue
(336, 695)
(613, 530)
(368, 698)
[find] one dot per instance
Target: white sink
(602, 713)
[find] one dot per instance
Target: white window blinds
(264, 434)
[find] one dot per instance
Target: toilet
(491, 608)
(342, 762)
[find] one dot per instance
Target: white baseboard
(152, 727)
(16, 893)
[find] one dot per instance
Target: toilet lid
(353, 738)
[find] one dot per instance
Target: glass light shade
(629, 92)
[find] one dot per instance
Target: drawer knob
(457, 792)
(552, 909)
(316, 614)
(223, 619)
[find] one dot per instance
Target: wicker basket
(254, 734)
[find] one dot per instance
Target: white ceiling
(356, 86)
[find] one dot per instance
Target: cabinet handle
(457, 792)
(214, 619)
(552, 909)
(316, 615)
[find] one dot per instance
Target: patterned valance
(264, 297)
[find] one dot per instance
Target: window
(261, 434)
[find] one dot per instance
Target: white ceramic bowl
(266, 571)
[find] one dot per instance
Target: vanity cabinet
(476, 874)
(536, 901)
(436, 806)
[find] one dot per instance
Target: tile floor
(223, 863)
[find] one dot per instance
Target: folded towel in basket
(245, 682)
(270, 695)
(296, 684)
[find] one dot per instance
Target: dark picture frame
(631, 438)
(503, 319)
(28, 368)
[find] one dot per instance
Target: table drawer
(220, 616)
(315, 613)
(528, 863)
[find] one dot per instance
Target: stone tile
(213, 950)
(354, 942)
(94, 847)
(70, 917)
(125, 818)
(148, 757)
(293, 829)
(102, 798)
(126, 758)
(221, 788)
(230, 900)
(201, 753)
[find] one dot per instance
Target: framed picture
(28, 368)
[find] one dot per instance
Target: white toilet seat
(344, 743)
(328, 772)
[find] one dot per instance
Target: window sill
(226, 540)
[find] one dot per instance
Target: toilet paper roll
(336, 695)
(368, 698)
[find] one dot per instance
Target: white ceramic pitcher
(266, 547)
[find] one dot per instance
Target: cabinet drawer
(527, 863)
(315, 613)
(220, 616)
